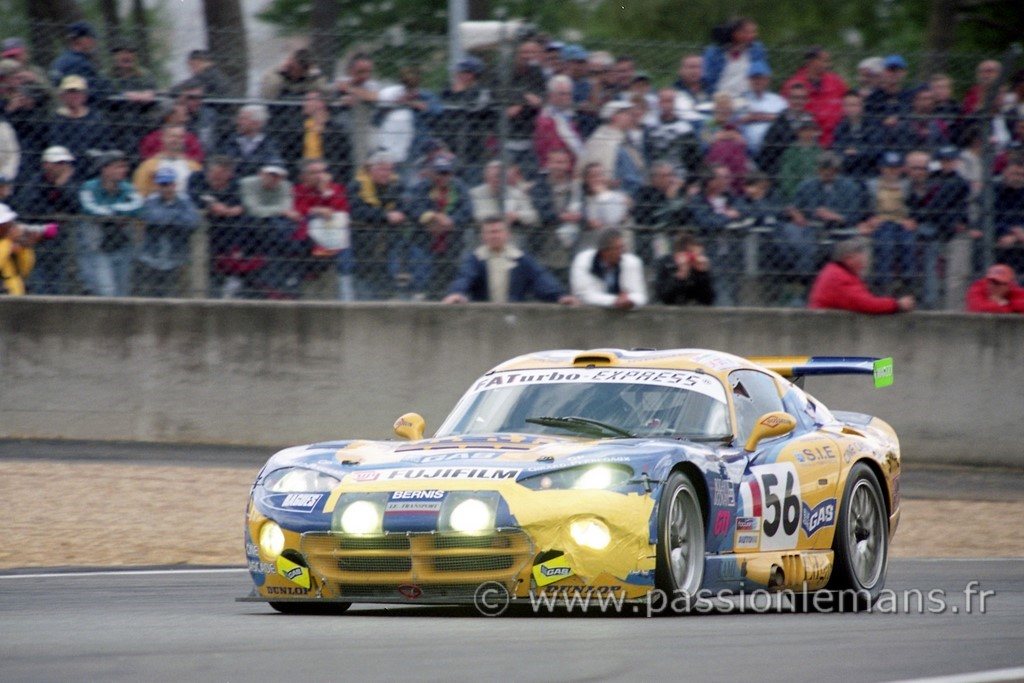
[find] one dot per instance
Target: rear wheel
(679, 570)
(311, 607)
(861, 544)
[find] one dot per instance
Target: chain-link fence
(731, 172)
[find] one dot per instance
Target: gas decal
(551, 571)
(295, 573)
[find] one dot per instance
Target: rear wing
(799, 367)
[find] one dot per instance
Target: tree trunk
(47, 21)
(111, 21)
(325, 41)
(226, 39)
(941, 35)
(140, 29)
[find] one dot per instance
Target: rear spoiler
(799, 367)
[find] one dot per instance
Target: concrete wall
(270, 374)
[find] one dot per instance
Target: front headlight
(361, 517)
(271, 539)
(594, 477)
(299, 480)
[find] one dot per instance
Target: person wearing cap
(28, 73)
(204, 70)
(442, 211)
(50, 194)
(891, 225)
(172, 155)
(16, 255)
(997, 292)
(607, 145)
(1008, 210)
(840, 284)
(76, 124)
(760, 107)
(800, 160)
(727, 61)
(104, 242)
(826, 206)
(607, 276)
(268, 198)
(78, 59)
(500, 272)
(825, 90)
(292, 79)
(169, 218)
(952, 219)
(251, 146)
(890, 101)
(468, 114)
(574, 61)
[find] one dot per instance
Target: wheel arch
(699, 481)
(883, 483)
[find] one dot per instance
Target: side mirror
(768, 425)
(410, 426)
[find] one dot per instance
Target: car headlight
(595, 476)
(361, 517)
(271, 539)
(470, 516)
(590, 533)
(299, 480)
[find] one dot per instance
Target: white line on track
(990, 676)
(127, 572)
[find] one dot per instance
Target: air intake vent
(595, 358)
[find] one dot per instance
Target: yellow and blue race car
(586, 472)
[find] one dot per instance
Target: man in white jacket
(607, 276)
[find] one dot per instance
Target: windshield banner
(678, 379)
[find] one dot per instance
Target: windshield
(642, 402)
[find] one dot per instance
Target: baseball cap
(759, 68)
(275, 169)
(873, 64)
(81, 29)
(892, 159)
(73, 82)
(443, 164)
(895, 62)
(12, 47)
(56, 154)
(612, 108)
(947, 153)
(6, 214)
(1001, 273)
(165, 176)
(471, 65)
(574, 53)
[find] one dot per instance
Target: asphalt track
(184, 624)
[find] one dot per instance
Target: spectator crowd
(569, 179)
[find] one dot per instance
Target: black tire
(861, 543)
(679, 568)
(311, 608)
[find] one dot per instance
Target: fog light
(590, 533)
(470, 516)
(271, 539)
(361, 517)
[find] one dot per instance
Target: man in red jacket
(997, 292)
(839, 284)
(825, 90)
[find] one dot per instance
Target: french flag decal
(750, 498)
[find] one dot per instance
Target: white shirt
(765, 103)
(593, 291)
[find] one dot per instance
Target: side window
(754, 394)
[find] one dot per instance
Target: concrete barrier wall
(271, 374)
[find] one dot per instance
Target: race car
(587, 472)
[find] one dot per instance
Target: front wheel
(679, 568)
(861, 543)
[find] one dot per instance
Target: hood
(525, 453)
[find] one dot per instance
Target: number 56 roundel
(779, 486)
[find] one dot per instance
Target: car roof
(702, 360)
